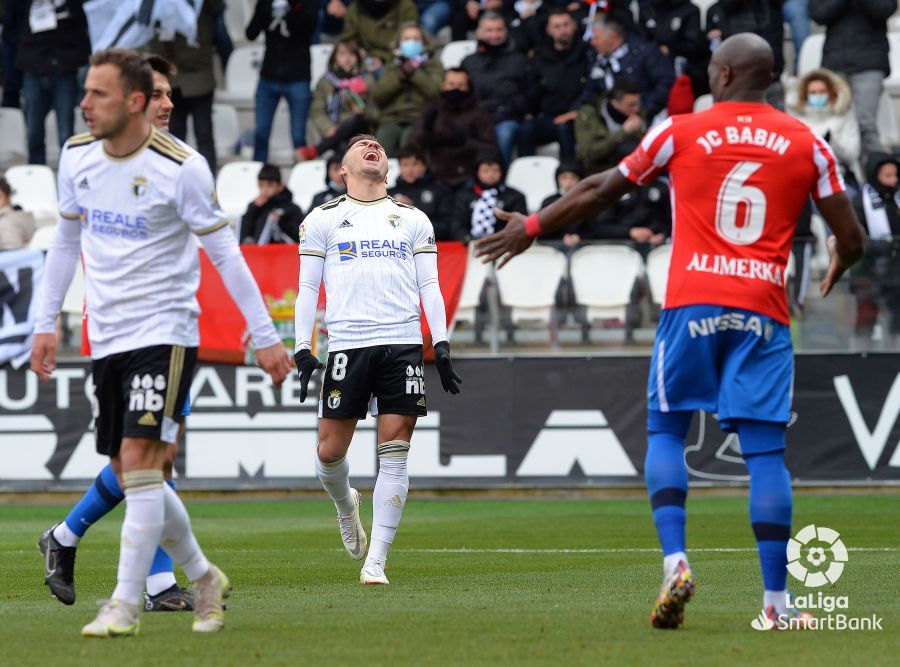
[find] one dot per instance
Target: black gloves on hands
(449, 379)
(307, 364)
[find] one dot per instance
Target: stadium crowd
(587, 77)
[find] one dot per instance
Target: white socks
(64, 535)
(335, 477)
(159, 582)
(389, 497)
(777, 599)
(144, 516)
(178, 539)
(671, 561)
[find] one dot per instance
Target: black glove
(307, 364)
(449, 379)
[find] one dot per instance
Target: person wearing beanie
(473, 209)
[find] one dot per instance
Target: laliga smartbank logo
(816, 556)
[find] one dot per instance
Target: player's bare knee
(142, 454)
(396, 427)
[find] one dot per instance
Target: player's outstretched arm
(847, 245)
(589, 197)
(59, 269)
(436, 314)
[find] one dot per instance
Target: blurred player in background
(378, 258)
(59, 543)
(130, 197)
(740, 173)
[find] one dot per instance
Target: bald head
(741, 68)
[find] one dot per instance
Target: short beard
(114, 130)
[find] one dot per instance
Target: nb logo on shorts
(415, 381)
(145, 393)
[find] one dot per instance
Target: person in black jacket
(620, 56)
(51, 48)
(675, 26)
(876, 280)
(558, 73)
(285, 72)
(272, 217)
(499, 77)
(856, 46)
(417, 187)
(762, 17)
(334, 183)
(568, 173)
(473, 206)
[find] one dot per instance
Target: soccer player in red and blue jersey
(739, 175)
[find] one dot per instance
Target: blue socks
(762, 444)
(666, 477)
(162, 562)
(99, 501)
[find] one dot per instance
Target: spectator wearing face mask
(473, 208)
(373, 24)
(406, 85)
(822, 100)
(608, 127)
(334, 183)
(876, 279)
(452, 130)
(272, 217)
(340, 101)
(499, 76)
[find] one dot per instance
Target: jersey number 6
(732, 194)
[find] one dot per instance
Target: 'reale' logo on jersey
(347, 250)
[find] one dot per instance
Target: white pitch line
(464, 550)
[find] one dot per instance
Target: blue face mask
(411, 48)
(817, 101)
(336, 186)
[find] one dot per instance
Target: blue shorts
(733, 362)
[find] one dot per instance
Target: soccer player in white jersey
(377, 258)
(59, 543)
(130, 197)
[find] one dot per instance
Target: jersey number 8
(732, 194)
(339, 368)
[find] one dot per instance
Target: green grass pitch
(473, 582)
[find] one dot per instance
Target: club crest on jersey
(334, 399)
(139, 187)
(347, 251)
(302, 233)
(394, 219)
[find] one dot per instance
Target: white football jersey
(372, 296)
(138, 215)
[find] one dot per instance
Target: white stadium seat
(603, 278)
(306, 179)
(42, 238)
(241, 75)
(810, 54)
(453, 53)
(318, 57)
(236, 187)
(34, 189)
(892, 83)
(13, 136)
(703, 103)
(473, 282)
(528, 284)
(393, 171)
(535, 176)
(888, 127)
(658, 261)
(226, 130)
